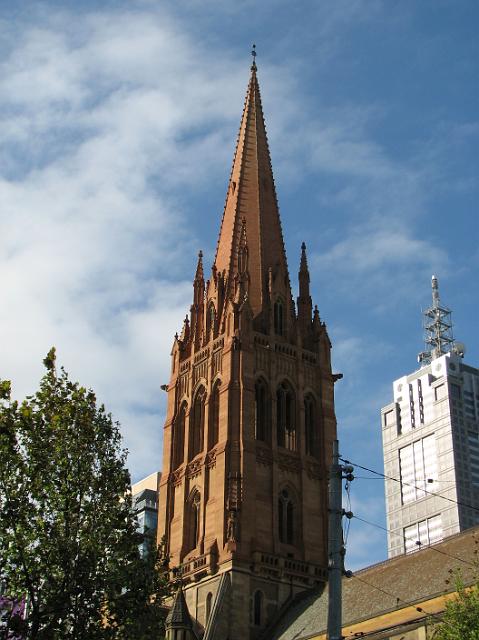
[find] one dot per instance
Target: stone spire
(197, 308)
(305, 305)
(251, 202)
(178, 624)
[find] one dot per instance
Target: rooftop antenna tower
(437, 325)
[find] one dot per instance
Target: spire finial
(253, 53)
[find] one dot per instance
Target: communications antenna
(437, 325)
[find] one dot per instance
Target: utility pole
(335, 542)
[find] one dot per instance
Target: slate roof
(385, 587)
(179, 616)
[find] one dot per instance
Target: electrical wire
(398, 599)
(400, 535)
(407, 484)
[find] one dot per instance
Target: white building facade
(431, 452)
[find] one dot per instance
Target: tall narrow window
(417, 465)
(193, 520)
(262, 411)
(258, 608)
(214, 417)
(286, 417)
(197, 424)
(310, 430)
(179, 437)
(278, 317)
(285, 517)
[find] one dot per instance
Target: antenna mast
(437, 325)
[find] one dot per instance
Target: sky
(118, 121)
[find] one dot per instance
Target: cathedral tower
(250, 419)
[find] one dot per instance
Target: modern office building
(145, 504)
(431, 441)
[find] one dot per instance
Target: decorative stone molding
(289, 463)
(264, 456)
(210, 460)
(177, 476)
(194, 468)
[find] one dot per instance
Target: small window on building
(262, 412)
(310, 428)
(214, 417)
(285, 518)
(286, 417)
(197, 424)
(258, 608)
(455, 391)
(440, 392)
(193, 520)
(389, 418)
(278, 313)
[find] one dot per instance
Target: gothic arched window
(258, 608)
(262, 411)
(285, 517)
(286, 416)
(193, 520)
(278, 317)
(310, 431)
(197, 424)
(214, 416)
(179, 437)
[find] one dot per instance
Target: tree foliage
(461, 617)
(69, 547)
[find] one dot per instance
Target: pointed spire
(199, 282)
(179, 616)
(251, 196)
(303, 276)
(305, 304)
(199, 268)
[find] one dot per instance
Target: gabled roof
(385, 588)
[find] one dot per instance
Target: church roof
(383, 588)
(251, 205)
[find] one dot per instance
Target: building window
(193, 520)
(179, 437)
(285, 518)
(214, 417)
(278, 315)
(209, 602)
(422, 534)
(310, 430)
(258, 608)
(455, 391)
(197, 424)
(286, 417)
(262, 411)
(417, 463)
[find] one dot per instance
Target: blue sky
(117, 127)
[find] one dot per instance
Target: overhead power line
(408, 484)
(432, 546)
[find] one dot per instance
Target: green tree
(68, 539)
(461, 616)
